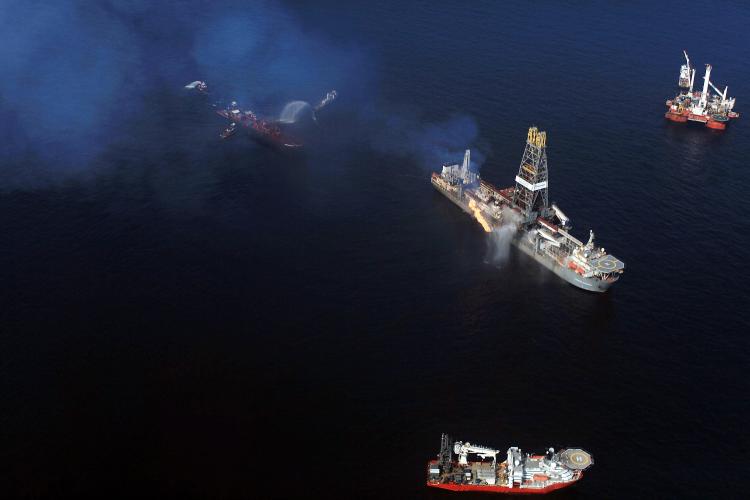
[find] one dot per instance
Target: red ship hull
(274, 140)
(685, 116)
(676, 117)
(261, 130)
(500, 489)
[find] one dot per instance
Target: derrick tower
(530, 194)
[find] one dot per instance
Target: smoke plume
(429, 144)
(79, 80)
(64, 78)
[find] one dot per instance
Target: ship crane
(704, 93)
(687, 74)
(724, 103)
(463, 449)
(590, 244)
(722, 94)
(564, 219)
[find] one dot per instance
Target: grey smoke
(430, 144)
(79, 79)
(79, 82)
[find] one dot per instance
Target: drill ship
(713, 110)
(540, 230)
(519, 473)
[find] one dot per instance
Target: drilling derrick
(530, 194)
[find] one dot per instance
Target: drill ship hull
(523, 242)
(538, 233)
(590, 284)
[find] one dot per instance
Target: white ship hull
(589, 284)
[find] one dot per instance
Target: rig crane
(687, 74)
(463, 449)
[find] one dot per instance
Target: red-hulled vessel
(265, 130)
(713, 110)
(519, 473)
(270, 131)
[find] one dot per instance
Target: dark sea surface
(188, 317)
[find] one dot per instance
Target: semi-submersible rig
(713, 110)
(540, 230)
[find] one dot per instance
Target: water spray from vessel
(295, 111)
(501, 237)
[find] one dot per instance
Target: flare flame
(478, 216)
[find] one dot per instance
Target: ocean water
(188, 317)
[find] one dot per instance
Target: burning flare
(478, 216)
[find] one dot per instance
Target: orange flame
(478, 215)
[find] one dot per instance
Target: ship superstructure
(541, 230)
(519, 473)
(714, 110)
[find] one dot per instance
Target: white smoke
(501, 237)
